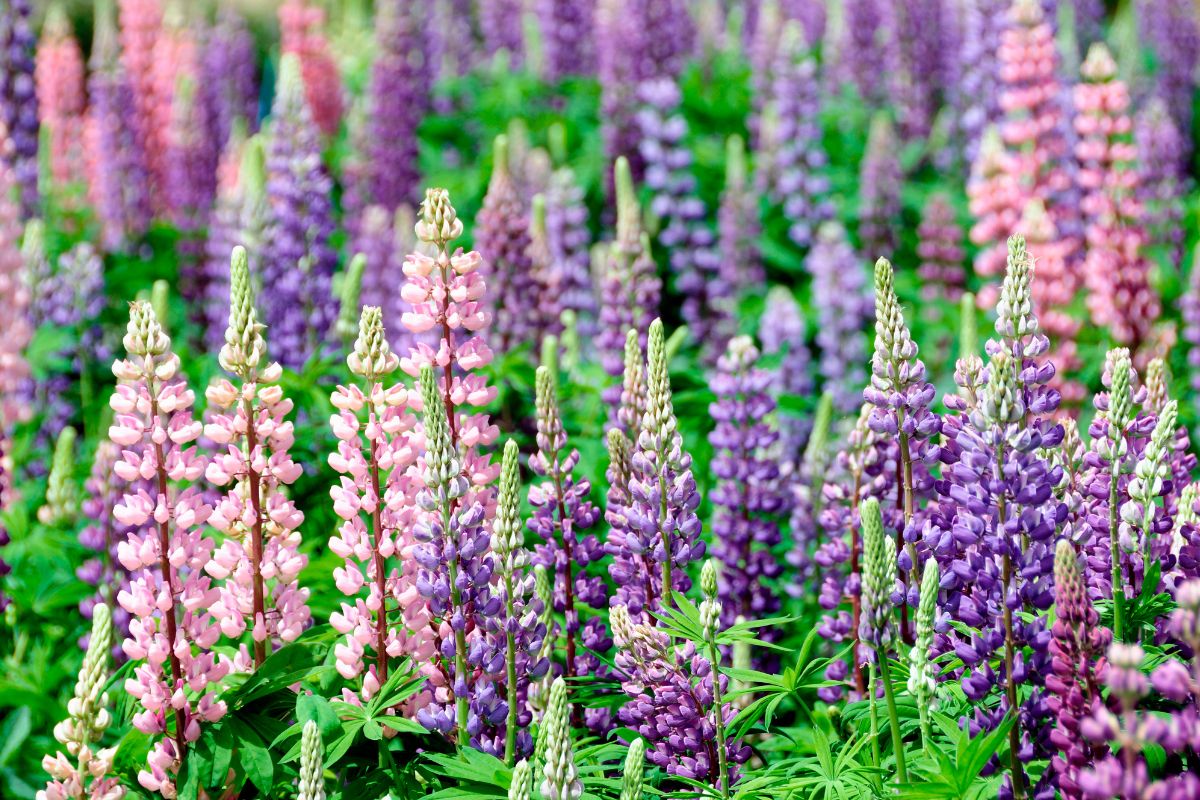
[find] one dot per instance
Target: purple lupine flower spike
(567, 37)
(683, 229)
(792, 162)
(940, 247)
(920, 59)
(618, 64)
(18, 99)
(229, 69)
(977, 94)
(749, 496)
(1172, 30)
(866, 49)
(501, 23)
(502, 238)
(569, 238)
(401, 78)
(118, 186)
(1161, 151)
(782, 333)
(384, 239)
(844, 305)
(879, 190)
(741, 269)
(298, 259)
(1189, 308)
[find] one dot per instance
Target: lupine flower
(379, 240)
(1189, 309)
(1140, 521)
(191, 185)
(562, 515)
(560, 777)
(567, 37)
(141, 25)
(879, 189)
(521, 787)
(663, 527)
(302, 34)
(844, 305)
(298, 259)
(630, 288)
(568, 236)
(83, 772)
(5, 497)
(520, 625)
(619, 67)
(229, 71)
(1077, 666)
(1172, 31)
(1160, 146)
(922, 671)
(546, 274)
(749, 495)
(879, 580)
(924, 39)
(976, 95)
(312, 752)
(259, 561)
(694, 259)
(62, 500)
(456, 568)
(60, 95)
(500, 22)
(118, 181)
(448, 296)
(939, 246)
(374, 454)
(175, 70)
(173, 630)
(18, 100)
(401, 79)
(865, 50)
(1117, 273)
(741, 269)
(782, 333)
(671, 683)
(225, 230)
(996, 201)
(14, 312)
(631, 775)
(502, 236)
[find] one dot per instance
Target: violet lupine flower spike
(83, 772)
(843, 302)
(562, 515)
(173, 630)
(901, 397)
(455, 578)
(781, 329)
(1077, 648)
(502, 237)
(560, 776)
(374, 456)
(298, 259)
(1138, 537)
(662, 487)
(630, 286)
(569, 238)
(633, 389)
(879, 189)
(249, 422)
(741, 269)
(749, 496)
(521, 626)
(19, 101)
(875, 628)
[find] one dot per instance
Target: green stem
(510, 661)
(1114, 550)
(1010, 646)
(893, 716)
(460, 644)
(873, 705)
(714, 659)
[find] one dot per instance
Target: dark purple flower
(502, 238)
(18, 99)
(229, 71)
(879, 190)
(843, 302)
(567, 37)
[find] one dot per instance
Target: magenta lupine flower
(298, 258)
(749, 495)
(1120, 295)
(401, 79)
(375, 498)
(229, 70)
(1077, 648)
(502, 238)
(879, 181)
(14, 311)
(671, 683)
(844, 305)
(173, 630)
(118, 181)
(661, 529)
(940, 247)
(1162, 185)
(630, 287)
(18, 99)
(683, 231)
(175, 72)
(60, 96)
(302, 33)
(259, 561)
(384, 239)
(447, 294)
(996, 201)
(567, 37)
(562, 517)
(140, 27)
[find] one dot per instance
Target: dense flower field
(773, 399)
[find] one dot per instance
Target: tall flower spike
(738, 226)
(631, 775)
(83, 772)
(782, 333)
(62, 500)
(302, 35)
(19, 101)
(561, 778)
(1137, 530)
(170, 597)
(60, 96)
(843, 303)
(260, 561)
(521, 787)
(879, 189)
(922, 671)
(312, 754)
(502, 237)
(879, 579)
(633, 389)
(298, 259)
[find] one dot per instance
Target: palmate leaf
(957, 776)
(770, 691)
(836, 772)
(292, 663)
